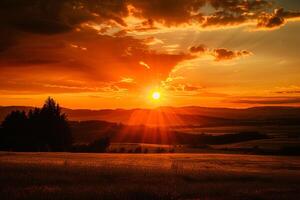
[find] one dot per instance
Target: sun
(156, 95)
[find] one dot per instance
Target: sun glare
(156, 95)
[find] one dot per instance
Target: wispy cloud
(144, 64)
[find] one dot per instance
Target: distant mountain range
(181, 116)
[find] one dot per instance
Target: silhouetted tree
(160, 150)
(13, 127)
(122, 150)
(43, 129)
(53, 126)
(100, 145)
(172, 150)
(138, 150)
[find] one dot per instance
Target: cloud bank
(69, 45)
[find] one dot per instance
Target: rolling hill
(182, 116)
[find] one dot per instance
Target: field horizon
(266, 130)
(179, 114)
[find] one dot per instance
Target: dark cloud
(276, 19)
(224, 12)
(240, 6)
(169, 12)
(222, 18)
(198, 49)
(225, 54)
(42, 16)
(174, 12)
(53, 16)
(220, 54)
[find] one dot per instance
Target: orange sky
(115, 53)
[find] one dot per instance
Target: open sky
(116, 53)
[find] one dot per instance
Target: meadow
(148, 176)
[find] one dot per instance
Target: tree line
(41, 129)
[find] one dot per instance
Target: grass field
(148, 176)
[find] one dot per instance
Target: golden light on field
(156, 95)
